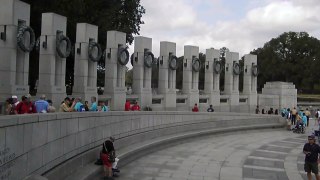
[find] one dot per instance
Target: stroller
(299, 128)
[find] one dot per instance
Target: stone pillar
(142, 70)
(191, 67)
(52, 67)
(231, 84)
(14, 62)
(250, 81)
(167, 74)
(117, 58)
(212, 77)
(85, 66)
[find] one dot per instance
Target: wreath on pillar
(173, 62)
(195, 64)
(123, 55)
(255, 70)
(92, 47)
(236, 68)
(217, 67)
(22, 29)
(63, 53)
(148, 59)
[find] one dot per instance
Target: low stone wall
(35, 144)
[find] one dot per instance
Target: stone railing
(36, 144)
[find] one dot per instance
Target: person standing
(308, 114)
(293, 116)
(25, 106)
(65, 106)
(94, 106)
(127, 106)
(135, 107)
(311, 150)
(42, 105)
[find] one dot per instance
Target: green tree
(291, 57)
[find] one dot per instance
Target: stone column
(191, 75)
(52, 67)
(250, 81)
(14, 62)
(167, 74)
(85, 68)
(212, 77)
(116, 69)
(142, 70)
(231, 85)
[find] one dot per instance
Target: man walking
(311, 150)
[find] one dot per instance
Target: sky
(239, 25)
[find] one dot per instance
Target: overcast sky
(240, 25)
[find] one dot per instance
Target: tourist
(195, 108)
(25, 106)
(293, 116)
(308, 114)
(210, 109)
(108, 157)
(51, 108)
(262, 111)
(9, 107)
(316, 119)
(304, 119)
(15, 100)
(135, 107)
(276, 112)
(127, 106)
(94, 106)
(257, 110)
(65, 106)
(311, 151)
(86, 105)
(42, 105)
(79, 107)
(103, 107)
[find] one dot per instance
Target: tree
(291, 57)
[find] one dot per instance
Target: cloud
(186, 22)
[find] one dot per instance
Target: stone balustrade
(35, 144)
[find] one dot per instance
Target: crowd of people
(43, 105)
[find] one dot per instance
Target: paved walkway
(270, 154)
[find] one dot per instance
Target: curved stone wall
(35, 144)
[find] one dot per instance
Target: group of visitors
(26, 106)
(43, 105)
(270, 111)
(196, 109)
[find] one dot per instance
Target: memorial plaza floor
(274, 154)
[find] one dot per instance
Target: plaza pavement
(274, 154)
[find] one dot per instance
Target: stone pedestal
(14, 63)
(52, 68)
(190, 77)
(85, 70)
(250, 81)
(142, 73)
(231, 83)
(167, 75)
(212, 78)
(115, 72)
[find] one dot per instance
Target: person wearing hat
(25, 106)
(15, 100)
(312, 151)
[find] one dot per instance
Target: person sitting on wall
(210, 109)
(135, 107)
(94, 106)
(108, 157)
(127, 106)
(195, 108)
(65, 106)
(25, 106)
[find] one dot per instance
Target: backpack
(81, 108)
